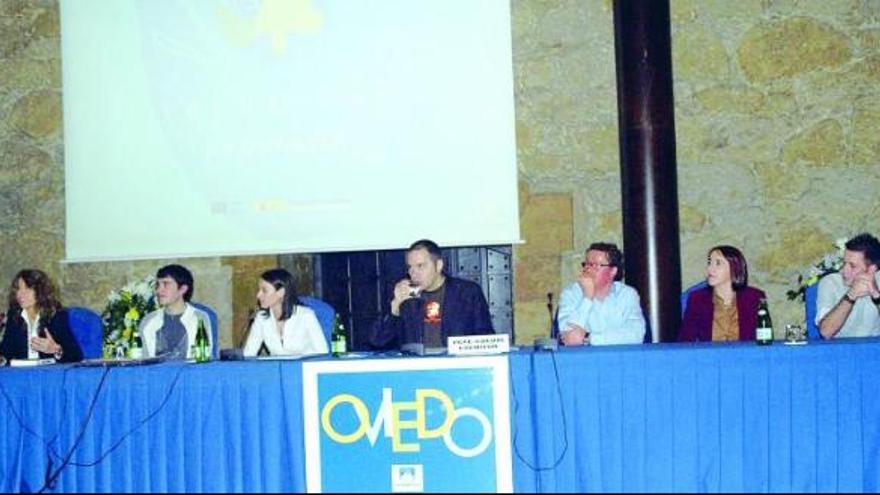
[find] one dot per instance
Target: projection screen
(207, 128)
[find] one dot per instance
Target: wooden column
(647, 161)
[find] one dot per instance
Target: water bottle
(136, 348)
(338, 344)
(764, 332)
(202, 351)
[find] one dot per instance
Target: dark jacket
(697, 324)
(15, 340)
(465, 312)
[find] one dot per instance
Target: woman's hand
(46, 345)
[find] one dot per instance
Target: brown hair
(612, 252)
(739, 269)
(45, 293)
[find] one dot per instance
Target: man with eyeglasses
(599, 309)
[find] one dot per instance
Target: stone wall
(777, 122)
(777, 128)
(32, 179)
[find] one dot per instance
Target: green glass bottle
(764, 331)
(339, 337)
(136, 348)
(202, 351)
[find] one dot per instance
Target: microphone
(245, 333)
(548, 343)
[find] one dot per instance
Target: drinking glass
(794, 333)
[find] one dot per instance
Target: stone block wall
(32, 178)
(777, 128)
(777, 124)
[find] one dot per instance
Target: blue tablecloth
(697, 418)
(668, 417)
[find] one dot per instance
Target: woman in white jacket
(283, 325)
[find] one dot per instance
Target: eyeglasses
(594, 266)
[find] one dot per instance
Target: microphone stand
(548, 343)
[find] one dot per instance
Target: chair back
(325, 313)
(87, 329)
(212, 315)
(810, 296)
(687, 294)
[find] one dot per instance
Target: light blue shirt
(617, 319)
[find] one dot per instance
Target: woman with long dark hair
(37, 325)
(727, 309)
(282, 324)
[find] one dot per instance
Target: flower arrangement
(829, 263)
(123, 313)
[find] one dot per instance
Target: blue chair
(325, 313)
(212, 315)
(687, 294)
(810, 296)
(87, 329)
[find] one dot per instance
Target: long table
(662, 417)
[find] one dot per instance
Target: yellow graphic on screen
(276, 19)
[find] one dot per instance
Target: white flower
(113, 297)
(145, 287)
(830, 262)
(144, 290)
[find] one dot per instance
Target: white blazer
(300, 335)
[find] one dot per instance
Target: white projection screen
(232, 127)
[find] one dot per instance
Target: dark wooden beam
(649, 183)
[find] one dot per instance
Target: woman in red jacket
(728, 308)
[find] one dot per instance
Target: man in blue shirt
(598, 309)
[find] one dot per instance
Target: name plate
(474, 345)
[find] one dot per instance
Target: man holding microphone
(430, 306)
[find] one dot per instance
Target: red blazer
(697, 324)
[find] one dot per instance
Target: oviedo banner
(407, 425)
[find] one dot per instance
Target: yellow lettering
(360, 410)
(397, 444)
(422, 395)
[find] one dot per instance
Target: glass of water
(795, 333)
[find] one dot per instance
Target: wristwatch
(848, 299)
(876, 300)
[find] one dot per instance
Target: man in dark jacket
(429, 306)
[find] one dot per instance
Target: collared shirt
(725, 320)
(33, 328)
(617, 319)
(863, 320)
